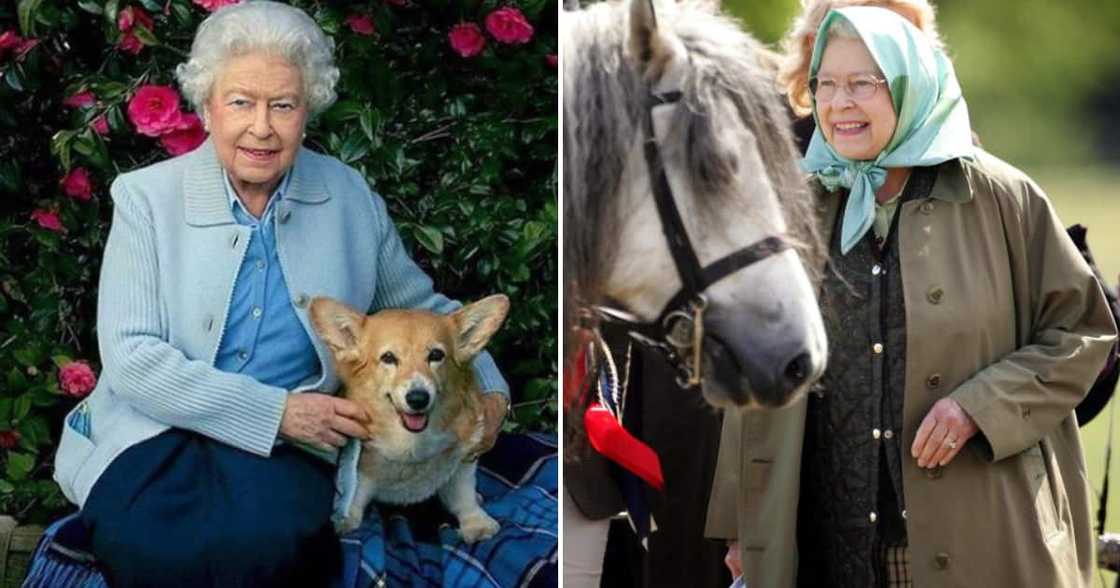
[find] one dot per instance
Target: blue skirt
(181, 509)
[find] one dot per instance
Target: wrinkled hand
(494, 408)
(732, 561)
(942, 434)
(322, 421)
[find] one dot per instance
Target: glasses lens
(862, 87)
(822, 89)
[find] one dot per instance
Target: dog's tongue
(415, 422)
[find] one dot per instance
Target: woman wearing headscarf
(940, 448)
(207, 454)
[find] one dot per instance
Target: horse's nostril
(798, 369)
(417, 399)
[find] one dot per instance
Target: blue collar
(277, 195)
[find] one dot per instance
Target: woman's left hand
(942, 434)
(494, 408)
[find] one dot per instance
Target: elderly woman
(964, 327)
(207, 454)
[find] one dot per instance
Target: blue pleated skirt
(184, 510)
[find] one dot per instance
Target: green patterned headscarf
(932, 116)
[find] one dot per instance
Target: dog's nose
(417, 398)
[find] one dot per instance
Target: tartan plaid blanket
(518, 484)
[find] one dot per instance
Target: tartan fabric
(896, 567)
(518, 484)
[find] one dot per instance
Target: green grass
(1091, 197)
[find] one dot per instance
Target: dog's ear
(338, 325)
(475, 323)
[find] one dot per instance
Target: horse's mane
(603, 105)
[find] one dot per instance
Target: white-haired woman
(207, 455)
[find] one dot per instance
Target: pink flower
(466, 39)
(9, 40)
(155, 110)
(508, 25)
(100, 125)
(361, 24)
(76, 184)
(551, 59)
(186, 136)
(213, 5)
(134, 16)
(48, 220)
(26, 45)
(130, 43)
(76, 379)
(9, 439)
(81, 100)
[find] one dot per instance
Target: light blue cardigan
(168, 273)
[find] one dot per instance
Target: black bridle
(678, 331)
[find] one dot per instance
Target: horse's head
(726, 151)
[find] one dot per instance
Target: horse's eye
(436, 355)
(388, 358)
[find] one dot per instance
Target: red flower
(466, 39)
(508, 25)
(81, 100)
(76, 379)
(551, 59)
(76, 184)
(361, 24)
(9, 439)
(130, 43)
(188, 135)
(100, 125)
(155, 110)
(213, 5)
(9, 40)
(48, 220)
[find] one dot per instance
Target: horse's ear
(650, 48)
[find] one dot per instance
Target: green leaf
(430, 239)
(91, 6)
(111, 10)
(21, 407)
(26, 12)
(5, 410)
(31, 355)
(152, 5)
(19, 465)
(35, 431)
(146, 37)
(12, 78)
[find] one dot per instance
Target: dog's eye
(435, 355)
(388, 358)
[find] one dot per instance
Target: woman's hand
(494, 408)
(732, 561)
(322, 420)
(942, 434)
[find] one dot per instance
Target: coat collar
(205, 201)
(954, 181)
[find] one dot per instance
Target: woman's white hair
(260, 26)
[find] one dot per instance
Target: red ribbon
(618, 445)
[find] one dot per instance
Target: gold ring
(951, 443)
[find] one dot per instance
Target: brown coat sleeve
(1064, 329)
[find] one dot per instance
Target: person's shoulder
(989, 176)
(153, 183)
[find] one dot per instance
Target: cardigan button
(301, 300)
(933, 382)
(926, 207)
(934, 473)
(935, 295)
(941, 561)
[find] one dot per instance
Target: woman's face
(256, 118)
(857, 129)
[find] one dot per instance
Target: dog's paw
(477, 527)
(352, 521)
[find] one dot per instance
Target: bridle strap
(684, 255)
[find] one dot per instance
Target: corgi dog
(410, 370)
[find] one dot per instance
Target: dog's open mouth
(415, 422)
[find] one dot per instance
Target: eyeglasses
(858, 87)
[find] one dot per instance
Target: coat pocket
(74, 449)
(1041, 487)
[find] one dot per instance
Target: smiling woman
(215, 426)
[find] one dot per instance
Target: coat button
(933, 382)
(876, 433)
(934, 473)
(941, 561)
(926, 207)
(301, 300)
(872, 517)
(904, 514)
(888, 434)
(1027, 413)
(935, 294)
(877, 348)
(876, 270)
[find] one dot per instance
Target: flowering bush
(447, 107)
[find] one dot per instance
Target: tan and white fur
(410, 370)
